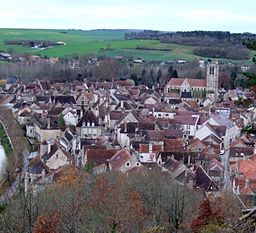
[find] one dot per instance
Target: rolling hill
(96, 42)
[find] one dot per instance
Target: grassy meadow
(96, 42)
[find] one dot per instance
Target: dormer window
(93, 124)
(88, 123)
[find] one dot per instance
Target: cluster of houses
(117, 126)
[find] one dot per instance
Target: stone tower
(212, 79)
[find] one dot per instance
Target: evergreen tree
(170, 71)
(159, 76)
(233, 80)
(175, 74)
(251, 77)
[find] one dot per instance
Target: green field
(98, 42)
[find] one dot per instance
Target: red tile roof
(193, 82)
(144, 148)
(119, 159)
(99, 156)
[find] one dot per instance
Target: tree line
(139, 202)
(215, 44)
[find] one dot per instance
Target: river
(3, 162)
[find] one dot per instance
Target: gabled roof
(134, 127)
(119, 159)
(213, 138)
(154, 135)
(55, 111)
(196, 142)
(37, 168)
(25, 113)
(68, 135)
(193, 82)
(204, 181)
(115, 115)
(176, 81)
(53, 149)
(197, 82)
(88, 117)
(215, 163)
(96, 157)
(63, 99)
(185, 120)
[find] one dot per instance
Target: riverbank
(15, 159)
(5, 142)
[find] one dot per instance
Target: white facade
(57, 160)
(70, 118)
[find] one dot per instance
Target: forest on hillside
(215, 44)
(147, 202)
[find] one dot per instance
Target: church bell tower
(212, 79)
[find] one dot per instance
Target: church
(196, 89)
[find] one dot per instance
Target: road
(225, 161)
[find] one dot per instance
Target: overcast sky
(166, 15)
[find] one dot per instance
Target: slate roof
(90, 117)
(204, 181)
(186, 95)
(37, 168)
(25, 114)
(63, 99)
(45, 99)
(132, 127)
(54, 148)
(55, 111)
(68, 136)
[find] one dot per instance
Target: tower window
(211, 70)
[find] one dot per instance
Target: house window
(128, 164)
(138, 164)
(57, 156)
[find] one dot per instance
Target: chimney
(49, 147)
(48, 123)
(125, 127)
(150, 147)
(189, 161)
(122, 104)
(81, 114)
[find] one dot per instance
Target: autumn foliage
(48, 224)
(207, 215)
